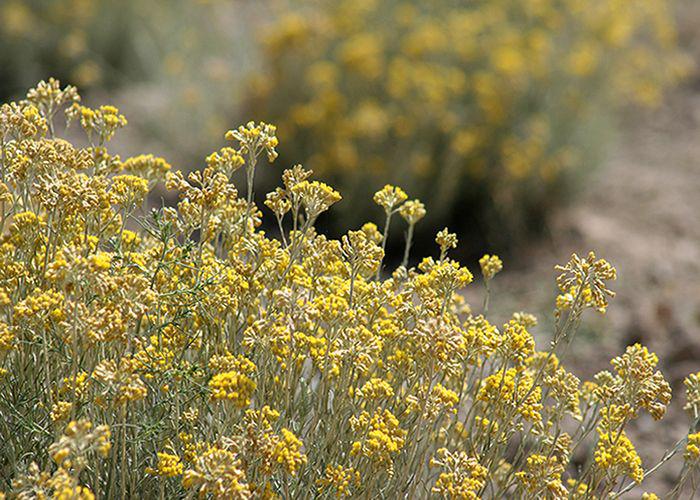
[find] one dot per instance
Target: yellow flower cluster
(217, 472)
(288, 452)
(376, 389)
(490, 266)
(692, 448)
(60, 485)
(79, 439)
(383, 436)
(488, 102)
(169, 465)
(582, 283)
(234, 384)
(512, 392)
(692, 388)
(6, 337)
(461, 477)
(146, 166)
(615, 455)
(228, 363)
(339, 480)
(542, 477)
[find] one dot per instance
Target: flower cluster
(461, 477)
(383, 438)
(233, 384)
(182, 351)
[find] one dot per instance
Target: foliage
(189, 49)
(181, 351)
(486, 107)
(85, 41)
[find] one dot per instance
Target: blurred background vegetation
(491, 111)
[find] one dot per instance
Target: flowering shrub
(192, 52)
(181, 351)
(98, 42)
(77, 39)
(487, 105)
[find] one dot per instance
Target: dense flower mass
(182, 351)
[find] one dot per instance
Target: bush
(86, 41)
(181, 351)
(488, 107)
(100, 44)
(192, 52)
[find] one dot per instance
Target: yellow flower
(490, 266)
(462, 476)
(375, 389)
(7, 337)
(148, 166)
(79, 439)
(692, 388)
(445, 241)
(120, 381)
(339, 479)
(542, 476)
(169, 465)
(217, 472)
(362, 254)
(254, 138)
(512, 393)
(692, 448)
(288, 452)
(636, 383)
(616, 456)
(128, 189)
(101, 123)
(586, 279)
(383, 438)
(234, 385)
(412, 211)
(390, 197)
(61, 411)
(316, 197)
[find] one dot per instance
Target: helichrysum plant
(182, 352)
(192, 52)
(487, 105)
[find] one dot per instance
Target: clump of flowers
(383, 436)
(219, 473)
(339, 480)
(461, 477)
(169, 465)
(182, 351)
(234, 383)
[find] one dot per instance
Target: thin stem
(385, 236)
(409, 240)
